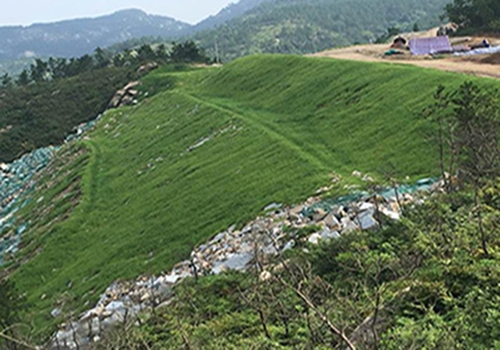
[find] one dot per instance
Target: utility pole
(217, 58)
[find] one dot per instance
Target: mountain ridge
(76, 37)
(308, 26)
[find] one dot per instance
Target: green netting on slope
(389, 194)
(16, 184)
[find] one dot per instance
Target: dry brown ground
(478, 65)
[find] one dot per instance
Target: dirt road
(375, 53)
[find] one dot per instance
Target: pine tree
(101, 58)
(6, 80)
(24, 78)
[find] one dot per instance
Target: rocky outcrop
(126, 96)
(148, 67)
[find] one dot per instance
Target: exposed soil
(479, 65)
(493, 59)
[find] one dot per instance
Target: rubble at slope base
(269, 235)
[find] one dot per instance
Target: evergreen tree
(84, 64)
(100, 57)
(24, 78)
(161, 52)
(145, 53)
(58, 67)
(6, 80)
(475, 15)
(39, 70)
(119, 60)
(187, 52)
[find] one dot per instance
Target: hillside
(305, 26)
(207, 149)
(228, 13)
(43, 114)
(77, 37)
(243, 28)
(15, 66)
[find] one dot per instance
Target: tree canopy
(63, 93)
(475, 15)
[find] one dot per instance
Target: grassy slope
(289, 122)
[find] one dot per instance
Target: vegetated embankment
(211, 149)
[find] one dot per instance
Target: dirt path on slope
(375, 53)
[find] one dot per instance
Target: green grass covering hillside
(213, 149)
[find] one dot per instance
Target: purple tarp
(429, 46)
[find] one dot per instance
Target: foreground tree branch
(320, 314)
(18, 342)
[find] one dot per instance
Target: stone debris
(210, 137)
(255, 244)
(83, 128)
(148, 67)
(126, 96)
(6, 129)
(17, 182)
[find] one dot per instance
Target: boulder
(319, 214)
(332, 222)
(148, 67)
(314, 238)
(124, 96)
(329, 234)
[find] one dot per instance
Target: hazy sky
(26, 12)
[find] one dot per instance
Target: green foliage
(45, 113)
(55, 95)
(23, 78)
(11, 305)
(467, 131)
(187, 52)
(275, 126)
(417, 284)
(391, 32)
(476, 121)
(437, 290)
(6, 81)
(305, 26)
(101, 58)
(475, 15)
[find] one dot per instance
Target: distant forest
(475, 16)
(46, 102)
(305, 26)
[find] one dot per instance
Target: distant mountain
(228, 13)
(243, 28)
(15, 66)
(304, 26)
(80, 36)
